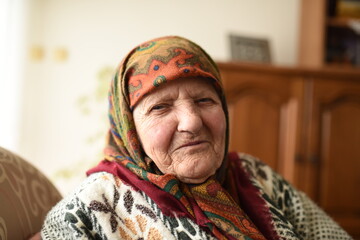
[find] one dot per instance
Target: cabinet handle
(314, 158)
(299, 158)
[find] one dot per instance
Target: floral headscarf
(146, 67)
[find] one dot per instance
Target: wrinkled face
(181, 126)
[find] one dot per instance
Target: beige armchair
(26, 195)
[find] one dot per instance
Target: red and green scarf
(146, 67)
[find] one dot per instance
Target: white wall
(98, 33)
(12, 19)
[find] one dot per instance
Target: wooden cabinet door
(264, 112)
(313, 116)
(334, 154)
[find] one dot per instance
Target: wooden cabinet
(263, 110)
(334, 149)
(306, 125)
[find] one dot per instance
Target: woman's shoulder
(85, 208)
(97, 187)
(106, 207)
(252, 165)
(96, 184)
(291, 209)
(246, 157)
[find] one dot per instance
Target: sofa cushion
(26, 195)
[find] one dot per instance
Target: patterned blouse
(104, 207)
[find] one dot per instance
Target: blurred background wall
(57, 58)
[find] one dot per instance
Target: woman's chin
(195, 178)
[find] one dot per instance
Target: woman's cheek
(218, 128)
(216, 121)
(159, 137)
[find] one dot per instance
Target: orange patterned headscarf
(166, 59)
(146, 67)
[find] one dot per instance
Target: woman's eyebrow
(203, 93)
(158, 98)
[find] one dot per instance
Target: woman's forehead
(191, 86)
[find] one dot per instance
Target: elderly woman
(167, 173)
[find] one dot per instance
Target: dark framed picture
(249, 49)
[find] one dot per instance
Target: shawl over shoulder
(105, 206)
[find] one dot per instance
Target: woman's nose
(189, 118)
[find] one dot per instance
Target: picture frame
(249, 49)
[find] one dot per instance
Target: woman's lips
(191, 144)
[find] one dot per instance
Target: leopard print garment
(294, 215)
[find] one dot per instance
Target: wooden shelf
(326, 39)
(343, 66)
(340, 21)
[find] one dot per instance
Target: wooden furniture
(305, 123)
(326, 37)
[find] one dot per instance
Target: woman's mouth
(194, 143)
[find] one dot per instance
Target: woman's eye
(158, 107)
(204, 100)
